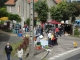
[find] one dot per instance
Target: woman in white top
(20, 53)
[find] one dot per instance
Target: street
(65, 43)
(69, 55)
(4, 38)
(32, 28)
(75, 57)
(65, 46)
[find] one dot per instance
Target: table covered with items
(41, 43)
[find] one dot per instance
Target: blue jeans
(57, 34)
(20, 58)
(8, 56)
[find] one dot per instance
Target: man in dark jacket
(8, 50)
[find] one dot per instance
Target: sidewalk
(65, 43)
(39, 54)
(8, 33)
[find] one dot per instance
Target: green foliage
(3, 12)
(63, 11)
(55, 14)
(76, 31)
(1, 22)
(14, 17)
(35, 21)
(11, 17)
(15, 46)
(59, 11)
(2, 3)
(41, 8)
(7, 30)
(73, 19)
(44, 59)
(71, 8)
(17, 18)
(74, 10)
(28, 21)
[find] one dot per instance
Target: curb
(45, 55)
(7, 33)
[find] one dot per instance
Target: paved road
(69, 55)
(65, 44)
(75, 57)
(3, 40)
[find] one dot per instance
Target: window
(18, 8)
(10, 8)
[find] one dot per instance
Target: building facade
(20, 7)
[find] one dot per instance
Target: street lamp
(31, 41)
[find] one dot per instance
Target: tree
(42, 9)
(59, 12)
(14, 17)
(2, 3)
(27, 21)
(64, 11)
(3, 12)
(74, 11)
(55, 14)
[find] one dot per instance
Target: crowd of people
(52, 33)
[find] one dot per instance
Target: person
(54, 39)
(60, 31)
(8, 50)
(49, 38)
(41, 30)
(57, 31)
(20, 53)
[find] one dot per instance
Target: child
(20, 53)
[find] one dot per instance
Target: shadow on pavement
(4, 37)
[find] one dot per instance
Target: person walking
(60, 31)
(8, 50)
(20, 53)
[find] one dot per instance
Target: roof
(10, 2)
(57, 1)
(34, 1)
